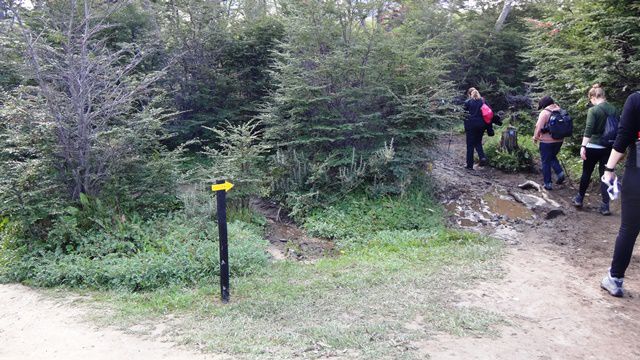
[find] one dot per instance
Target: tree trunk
(509, 139)
(506, 9)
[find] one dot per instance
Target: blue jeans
(474, 142)
(549, 156)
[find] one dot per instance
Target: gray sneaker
(612, 285)
(578, 201)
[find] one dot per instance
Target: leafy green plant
(137, 255)
(521, 159)
(360, 216)
(240, 158)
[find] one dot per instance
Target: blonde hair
(473, 93)
(597, 92)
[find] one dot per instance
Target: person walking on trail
(628, 136)
(594, 150)
(474, 127)
(549, 147)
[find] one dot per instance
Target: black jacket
(629, 126)
(474, 118)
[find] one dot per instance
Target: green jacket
(597, 120)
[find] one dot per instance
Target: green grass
(394, 286)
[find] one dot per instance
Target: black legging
(629, 226)
(474, 142)
(594, 157)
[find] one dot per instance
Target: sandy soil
(550, 294)
(35, 327)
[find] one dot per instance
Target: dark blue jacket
(474, 118)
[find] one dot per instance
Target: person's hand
(583, 153)
(609, 176)
(535, 139)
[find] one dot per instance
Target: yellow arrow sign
(226, 186)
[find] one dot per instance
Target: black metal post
(221, 200)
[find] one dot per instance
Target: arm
(615, 156)
(542, 119)
(588, 132)
(626, 134)
(591, 121)
(583, 147)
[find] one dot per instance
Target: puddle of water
(470, 213)
(467, 215)
(509, 208)
(452, 208)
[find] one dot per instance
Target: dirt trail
(33, 327)
(550, 295)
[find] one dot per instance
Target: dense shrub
(355, 103)
(361, 217)
(136, 255)
(521, 159)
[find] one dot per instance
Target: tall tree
(353, 83)
(586, 43)
(89, 90)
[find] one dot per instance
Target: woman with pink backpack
(475, 125)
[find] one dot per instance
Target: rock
(530, 201)
(509, 235)
(529, 185)
(552, 202)
(554, 214)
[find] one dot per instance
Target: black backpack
(560, 124)
(610, 130)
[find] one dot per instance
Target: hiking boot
(578, 201)
(604, 209)
(548, 186)
(561, 178)
(612, 285)
(469, 167)
(483, 162)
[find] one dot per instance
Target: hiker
(549, 147)
(474, 127)
(628, 136)
(595, 149)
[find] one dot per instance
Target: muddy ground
(556, 256)
(286, 239)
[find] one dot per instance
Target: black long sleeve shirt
(474, 118)
(629, 123)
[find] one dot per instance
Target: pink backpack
(487, 113)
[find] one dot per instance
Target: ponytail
(474, 94)
(597, 92)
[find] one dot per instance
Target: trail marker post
(220, 188)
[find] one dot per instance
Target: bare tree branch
(88, 88)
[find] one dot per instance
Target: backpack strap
(606, 114)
